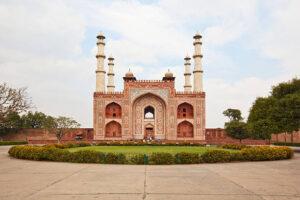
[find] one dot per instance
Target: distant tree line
(277, 113)
(15, 114)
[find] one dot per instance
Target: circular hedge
(56, 152)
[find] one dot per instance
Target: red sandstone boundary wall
(218, 136)
(213, 136)
(31, 134)
(285, 137)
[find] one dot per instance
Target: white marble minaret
(187, 74)
(110, 75)
(198, 72)
(100, 71)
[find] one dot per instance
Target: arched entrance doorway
(149, 131)
(149, 109)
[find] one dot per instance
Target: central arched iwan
(153, 104)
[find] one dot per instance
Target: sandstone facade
(149, 108)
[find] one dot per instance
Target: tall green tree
(280, 110)
(289, 114)
(60, 126)
(235, 128)
(263, 117)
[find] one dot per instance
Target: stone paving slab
(23, 179)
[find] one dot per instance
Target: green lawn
(146, 149)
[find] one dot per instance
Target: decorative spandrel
(163, 93)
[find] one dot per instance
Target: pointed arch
(113, 129)
(185, 110)
(149, 112)
(113, 110)
(185, 130)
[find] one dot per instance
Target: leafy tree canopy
(33, 120)
(12, 103)
(285, 88)
(277, 113)
(233, 114)
(13, 100)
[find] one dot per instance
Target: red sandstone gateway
(149, 108)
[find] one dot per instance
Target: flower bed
(55, 152)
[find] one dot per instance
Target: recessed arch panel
(113, 110)
(185, 110)
(113, 129)
(185, 130)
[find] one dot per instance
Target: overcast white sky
(50, 47)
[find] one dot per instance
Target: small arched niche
(149, 112)
(113, 110)
(113, 129)
(185, 110)
(185, 130)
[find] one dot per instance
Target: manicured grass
(146, 149)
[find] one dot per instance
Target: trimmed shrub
(287, 144)
(129, 144)
(51, 153)
(50, 145)
(113, 158)
(236, 156)
(82, 144)
(39, 153)
(197, 144)
(187, 158)
(86, 156)
(233, 146)
(213, 156)
(137, 159)
(65, 145)
(141, 143)
(170, 144)
(3, 143)
(261, 153)
(155, 144)
(102, 144)
(181, 144)
(161, 158)
(115, 144)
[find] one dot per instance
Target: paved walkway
(22, 179)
